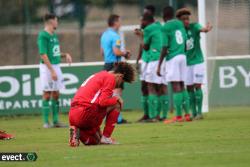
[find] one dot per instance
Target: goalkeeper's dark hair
(49, 16)
(126, 69)
(182, 11)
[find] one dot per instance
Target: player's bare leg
(46, 109)
(55, 109)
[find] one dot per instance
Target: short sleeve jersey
(194, 53)
(152, 36)
(49, 44)
(174, 38)
(110, 39)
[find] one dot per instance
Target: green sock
(165, 105)
(153, 104)
(45, 111)
(55, 110)
(198, 99)
(192, 103)
(178, 101)
(186, 101)
(144, 101)
(159, 107)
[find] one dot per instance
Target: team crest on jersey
(53, 40)
(189, 33)
(56, 50)
(118, 42)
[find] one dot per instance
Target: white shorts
(195, 74)
(163, 72)
(176, 69)
(151, 73)
(143, 69)
(47, 84)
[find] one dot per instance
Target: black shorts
(109, 67)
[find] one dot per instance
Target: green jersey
(174, 37)
(49, 44)
(194, 53)
(152, 37)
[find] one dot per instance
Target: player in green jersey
(195, 61)
(50, 72)
(157, 85)
(174, 38)
(148, 10)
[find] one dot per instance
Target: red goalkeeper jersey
(97, 89)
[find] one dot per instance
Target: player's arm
(164, 51)
(118, 52)
(145, 40)
(207, 28)
(106, 98)
(46, 61)
(139, 33)
(116, 45)
(138, 57)
(163, 54)
(67, 57)
(145, 46)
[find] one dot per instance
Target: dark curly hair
(182, 11)
(126, 69)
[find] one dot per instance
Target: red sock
(111, 120)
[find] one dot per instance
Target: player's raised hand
(53, 75)
(209, 26)
(68, 58)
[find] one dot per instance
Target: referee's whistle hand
(128, 54)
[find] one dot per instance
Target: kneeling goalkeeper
(93, 102)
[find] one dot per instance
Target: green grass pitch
(222, 139)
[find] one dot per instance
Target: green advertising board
(230, 83)
(20, 91)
